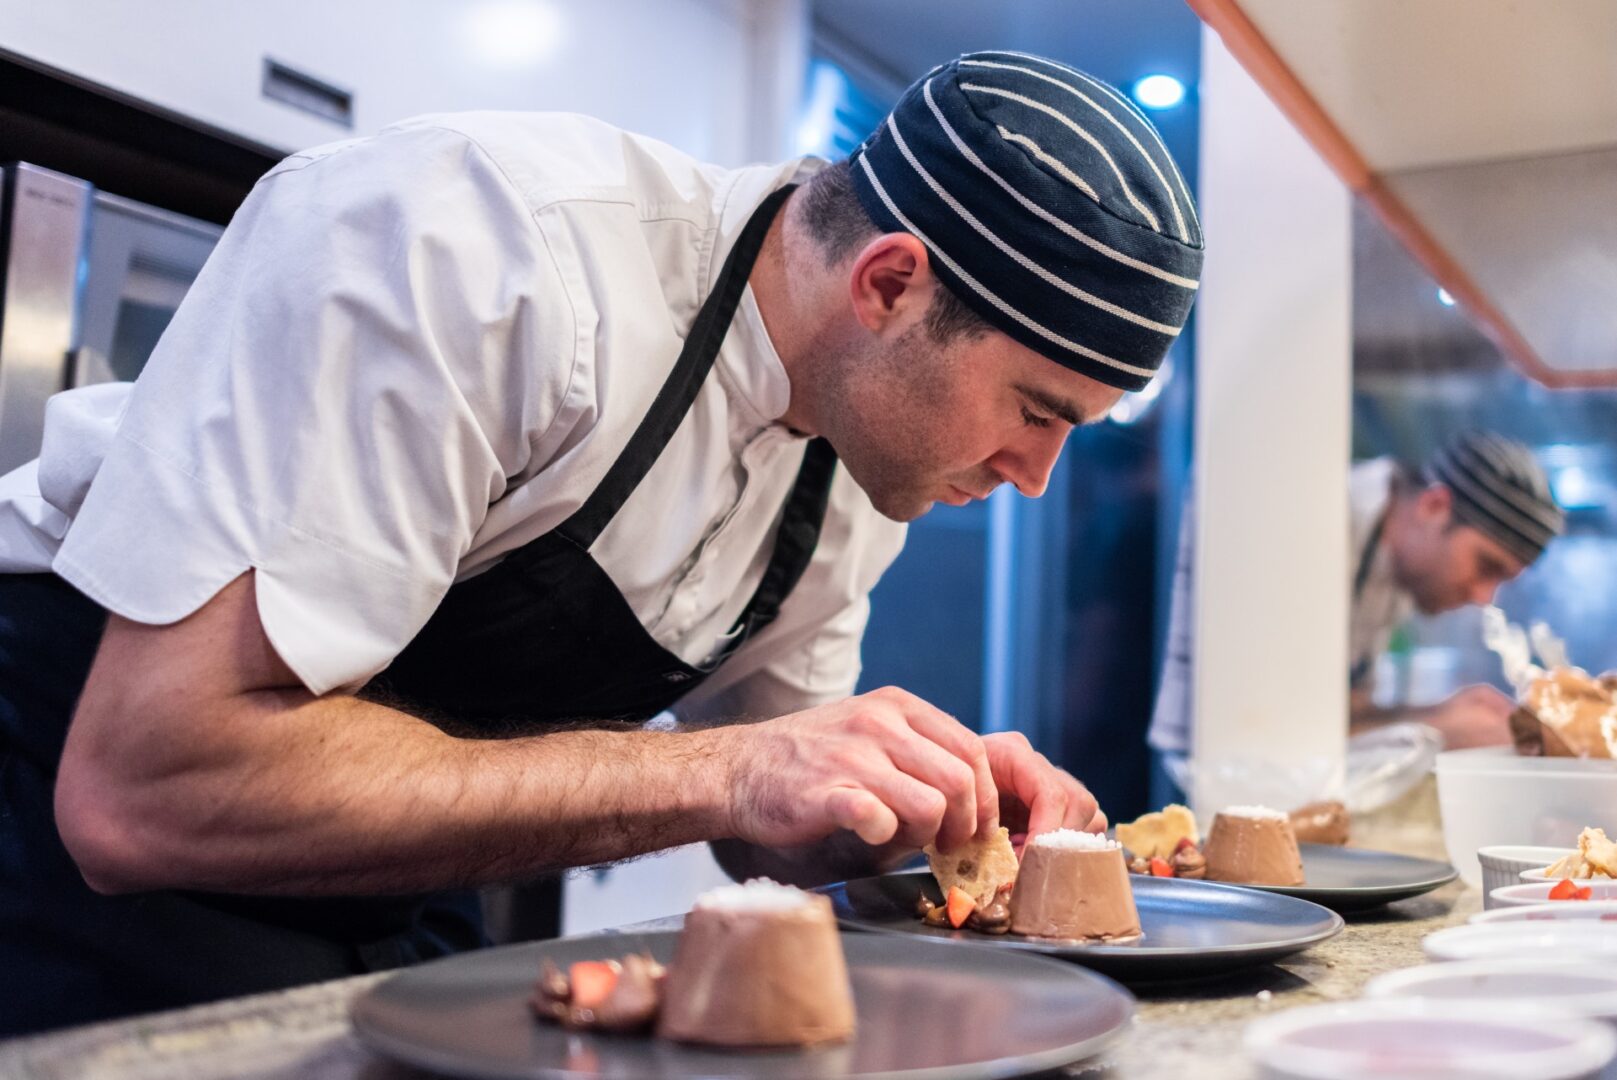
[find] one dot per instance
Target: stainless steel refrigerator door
(139, 263)
(48, 215)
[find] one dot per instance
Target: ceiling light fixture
(1159, 91)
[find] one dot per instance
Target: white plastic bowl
(1552, 911)
(1538, 892)
(1550, 801)
(1424, 1040)
(1563, 987)
(1593, 942)
(1502, 864)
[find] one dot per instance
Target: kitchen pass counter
(1188, 1030)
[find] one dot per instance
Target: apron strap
(674, 400)
(794, 547)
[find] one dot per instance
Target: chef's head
(1480, 513)
(1017, 250)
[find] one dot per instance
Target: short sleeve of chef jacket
(378, 342)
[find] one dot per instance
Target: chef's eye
(1033, 419)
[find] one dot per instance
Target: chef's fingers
(862, 814)
(1023, 773)
(1054, 799)
(1082, 812)
(935, 767)
(939, 727)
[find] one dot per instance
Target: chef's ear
(1435, 503)
(891, 282)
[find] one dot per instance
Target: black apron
(542, 636)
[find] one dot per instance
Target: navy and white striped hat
(1048, 203)
(1499, 489)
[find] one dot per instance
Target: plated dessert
(1253, 845)
(756, 965)
(1562, 710)
(1566, 712)
(1323, 822)
(1069, 886)
(1074, 886)
(976, 881)
(1247, 845)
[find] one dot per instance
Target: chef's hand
(884, 765)
(1475, 716)
(1034, 796)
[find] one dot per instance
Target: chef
(483, 441)
(1475, 517)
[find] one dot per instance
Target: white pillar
(1273, 406)
(778, 52)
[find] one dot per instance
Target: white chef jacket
(415, 352)
(1377, 609)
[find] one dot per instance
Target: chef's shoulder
(552, 157)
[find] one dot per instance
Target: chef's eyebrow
(1058, 407)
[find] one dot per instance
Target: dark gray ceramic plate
(1191, 928)
(923, 1015)
(1352, 879)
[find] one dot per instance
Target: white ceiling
(1539, 236)
(1493, 125)
(1416, 83)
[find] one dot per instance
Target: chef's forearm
(294, 794)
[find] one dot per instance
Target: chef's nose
(1028, 462)
(1482, 593)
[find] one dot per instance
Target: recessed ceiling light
(1445, 298)
(513, 33)
(1159, 91)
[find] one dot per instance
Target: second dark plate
(1353, 879)
(1191, 928)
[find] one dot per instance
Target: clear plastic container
(1491, 796)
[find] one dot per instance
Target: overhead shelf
(1483, 133)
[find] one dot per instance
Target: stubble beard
(874, 411)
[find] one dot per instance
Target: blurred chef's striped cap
(1048, 203)
(1499, 488)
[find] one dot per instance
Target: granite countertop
(1188, 1030)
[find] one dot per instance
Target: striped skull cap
(1047, 203)
(1498, 487)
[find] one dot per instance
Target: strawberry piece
(1160, 867)
(1585, 893)
(592, 981)
(1564, 889)
(1184, 842)
(960, 906)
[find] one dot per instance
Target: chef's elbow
(99, 834)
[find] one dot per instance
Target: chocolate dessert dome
(758, 964)
(1074, 886)
(1253, 845)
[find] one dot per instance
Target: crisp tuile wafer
(1157, 834)
(979, 868)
